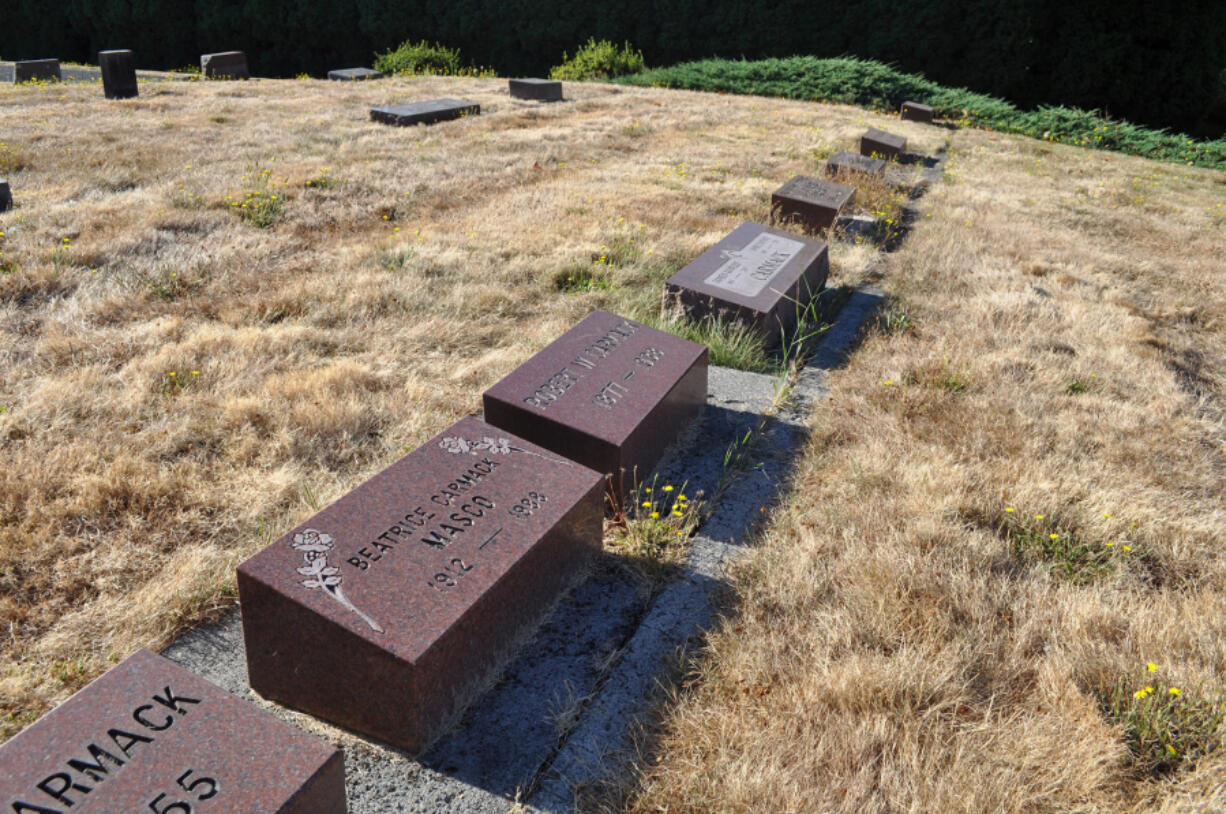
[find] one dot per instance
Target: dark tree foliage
(1153, 63)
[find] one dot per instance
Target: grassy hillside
(222, 305)
(878, 87)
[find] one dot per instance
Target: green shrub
(420, 57)
(873, 85)
(599, 60)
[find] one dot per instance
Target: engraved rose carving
(495, 446)
(315, 545)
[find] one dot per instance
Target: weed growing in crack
(657, 519)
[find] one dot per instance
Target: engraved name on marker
(750, 270)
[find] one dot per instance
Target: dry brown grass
(179, 384)
(891, 651)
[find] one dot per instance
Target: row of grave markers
(387, 610)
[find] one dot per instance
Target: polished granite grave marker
(845, 166)
(435, 110)
(541, 90)
(28, 69)
(150, 736)
(6, 196)
(810, 202)
(387, 610)
(916, 112)
(882, 144)
(118, 74)
(225, 65)
(610, 393)
(760, 277)
(354, 74)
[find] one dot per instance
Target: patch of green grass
(1164, 725)
(877, 86)
(579, 278)
(1040, 539)
(729, 344)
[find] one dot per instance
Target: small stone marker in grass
(541, 90)
(916, 112)
(118, 74)
(610, 393)
(6, 196)
(844, 165)
(811, 203)
(435, 110)
(882, 144)
(224, 65)
(388, 610)
(354, 74)
(27, 70)
(150, 736)
(757, 276)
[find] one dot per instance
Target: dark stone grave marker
(224, 65)
(6, 196)
(541, 90)
(28, 69)
(118, 74)
(810, 202)
(354, 74)
(844, 165)
(916, 112)
(150, 736)
(882, 144)
(610, 393)
(435, 110)
(757, 276)
(388, 610)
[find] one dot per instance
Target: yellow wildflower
(655, 515)
(1174, 691)
(1153, 668)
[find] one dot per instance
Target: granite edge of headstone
(6, 196)
(917, 112)
(532, 89)
(118, 70)
(876, 142)
(25, 70)
(790, 206)
(354, 74)
(225, 65)
(413, 113)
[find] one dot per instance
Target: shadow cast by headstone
(912, 159)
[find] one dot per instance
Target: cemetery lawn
(223, 305)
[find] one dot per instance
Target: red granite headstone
(760, 277)
(610, 393)
(430, 112)
(811, 203)
(387, 610)
(150, 736)
(845, 166)
(916, 112)
(881, 144)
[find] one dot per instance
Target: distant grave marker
(810, 202)
(610, 393)
(843, 165)
(541, 90)
(882, 144)
(118, 74)
(6, 196)
(30, 69)
(757, 276)
(916, 112)
(354, 74)
(150, 736)
(225, 65)
(387, 610)
(435, 110)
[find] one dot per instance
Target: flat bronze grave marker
(882, 144)
(757, 276)
(810, 202)
(118, 74)
(26, 70)
(225, 65)
(610, 393)
(150, 736)
(387, 610)
(435, 110)
(541, 90)
(354, 74)
(845, 165)
(916, 112)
